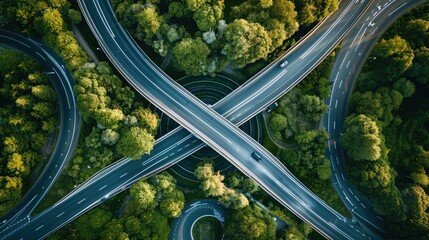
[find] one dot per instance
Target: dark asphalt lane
(355, 49)
(116, 50)
(192, 212)
(212, 128)
(69, 123)
(164, 162)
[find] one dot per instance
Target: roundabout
(206, 216)
(209, 90)
(207, 228)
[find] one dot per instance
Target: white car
(283, 64)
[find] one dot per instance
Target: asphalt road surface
(68, 131)
(116, 188)
(355, 49)
(191, 213)
(216, 131)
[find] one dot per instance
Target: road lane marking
(344, 59)
(59, 215)
(39, 227)
(102, 188)
(44, 59)
(338, 181)
(81, 201)
(397, 9)
(348, 199)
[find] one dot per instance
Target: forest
(386, 137)
(296, 125)
(204, 36)
(144, 214)
(28, 117)
(245, 218)
(386, 134)
(115, 123)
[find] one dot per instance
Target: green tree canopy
(91, 224)
(10, 192)
(149, 23)
(146, 119)
(417, 33)
(109, 118)
(207, 17)
(313, 107)
(249, 223)
(278, 122)
(361, 138)
(143, 194)
(367, 103)
(419, 70)
(416, 200)
(154, 225)
(114, 231)
(405, 87)
(191, 56)
(394, 56)
(134, 142)
(193, 5)
(51, 22)
(212, 183)
(246, 42)
(172, 207)
(234, 199)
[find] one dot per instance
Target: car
(283, 64)
(272, 107)
(106, 197)
(256, 156)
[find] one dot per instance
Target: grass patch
(207, 228)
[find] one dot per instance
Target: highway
(209, 90)
(81, 201)
(339, 24)
(191, 213)
(344, 73)
(217, 132)
(69, 123)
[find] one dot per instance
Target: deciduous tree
(246, 42)
(361, 138)
(143, 194)
(249, 223)
(134, 142)
(191, 56)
